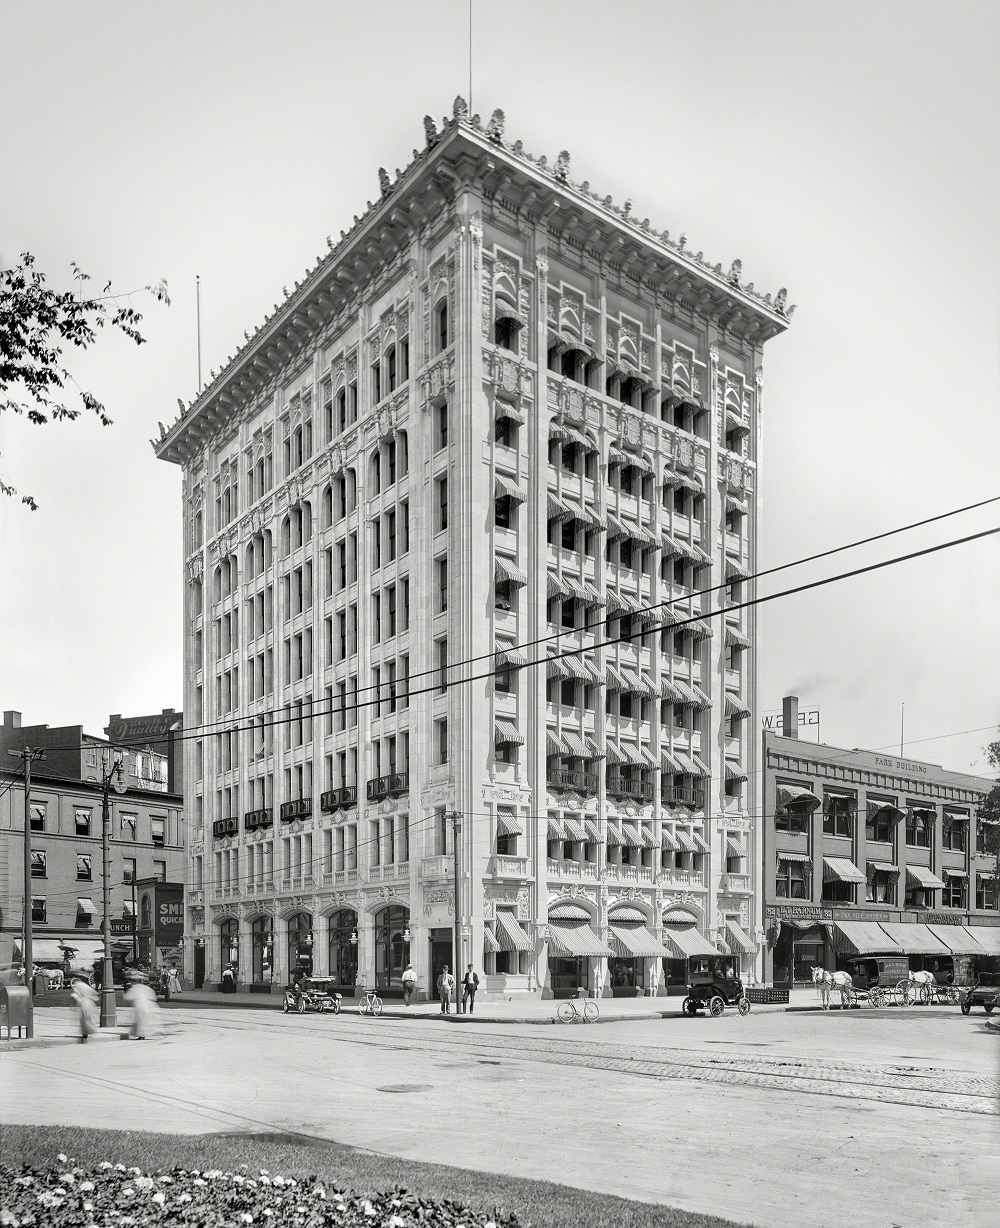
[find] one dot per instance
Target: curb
(51, 1042)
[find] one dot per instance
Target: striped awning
(556, 829)
(508, 658)
(735, 639)
(687, 943)
(735, 505)
(700, 698)
(735, 708)
(735, 773)
(700, 843)
(649, 839)
(683, 689)
(593, 831)
(557, 509)
(841, 870)
(924, 877)
(698, 628)
(734, 422)
(668, 840)
(553, 745)
(957, 939)
(577, 940)
(509, 824)
(614, 835)
(735, 570)
(876, 807)
(864, 938)
(668, 763)
(615, 527)
(700, 767)
(734, 847)
(739, 939)
(630, 836)
(575, 744)
(594, 749)
(556, 587)
(634, 941)
(685, 841)
(988, 937)
(505, 733)
(647, 757)
(614, 756)
(685, 762)
(504, 409)
(490, 943)
(788, 796)
(507, 571)
(786, 855)
(556, 667)
(568, 912)
(504, 488)
(575, 829)
(626, 914)
(883, 867)
(510, 933)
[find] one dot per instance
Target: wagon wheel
(923, 995)
(717, 1005)
(284, 1004)
(966, 1005)
(904, 992)
(743, 1005)
(876, 997)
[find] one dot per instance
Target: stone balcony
(571, 869)
(509, 867)
(737, 884)
(394, 872)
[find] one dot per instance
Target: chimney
(790, 716)
(12, 720)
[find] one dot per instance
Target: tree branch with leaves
(988, 815)
(36, 324)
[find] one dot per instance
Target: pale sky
(847, 151)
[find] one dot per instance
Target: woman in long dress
(142, 999)
(87, 1006)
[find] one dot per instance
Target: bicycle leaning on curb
(571, 1011)
(371, 1003)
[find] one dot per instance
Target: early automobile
(713, 981)
(311, 993)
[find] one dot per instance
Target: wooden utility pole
(27, 954)
(456, 820)
(110, 773)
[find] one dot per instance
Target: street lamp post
(111, 775)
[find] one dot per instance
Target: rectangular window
(442, 427)
(390, 610)
(376, 544)
(881, 887)
(986, 892)
(84, 870)
(38, 866)
(790, 881)
(376, 618)
(404, 527)
(442, 504)
(160, 871)
(128, 869)
(390, 536)
(956, 834)
(37, 812)
(918, 828)
(157, 830)
(442, 664)
(442, 740)
(954, 894)
(880, 825)
(38, 910)
(838, 814)
(441, 566)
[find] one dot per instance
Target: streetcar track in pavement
(920, 1088)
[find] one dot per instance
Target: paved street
(724, 1116)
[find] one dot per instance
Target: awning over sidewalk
(914, 939)
(864, 938)
(82, 951)
(635, 940)
(577, 940)
(686, 943)
(957, 939)
(988, 937)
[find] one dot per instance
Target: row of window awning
(686, 481)
(624, 603)
(565, 509)
(578, 590)
(903, 938)
(681, 761)
(574, 665)
(81, 952)
(619, 528)
(571, 745)
(569, 434)
(843, 870)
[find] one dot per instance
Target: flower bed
(114, 1196)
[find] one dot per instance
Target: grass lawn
(537, 1203)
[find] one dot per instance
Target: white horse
(827, 982)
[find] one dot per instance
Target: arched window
(197, 598)
(441, 336)
(300, 944)
(307, 522)
(392, 935)
(262, 941)
(286, 537)
(375, 472)
(402, 454)
(352, 490)
(217, 584)
(326, 506)
(198, 530)
(389, 362)
(344, 949)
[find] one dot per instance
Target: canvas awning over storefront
(82, 951)
(924, 877)
(686, 943)
(865, 938)
(987, 936)
(957, 939)
(635, 940)
(510, 933)
(577, 940)
(914, 939)
(490, 943)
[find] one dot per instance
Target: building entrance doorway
(625, 975)
(199, 965)
(441, 953)
(568, 975)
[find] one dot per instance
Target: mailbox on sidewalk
(15, 1007)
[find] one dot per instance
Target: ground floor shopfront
(623, 949)
(799, 938)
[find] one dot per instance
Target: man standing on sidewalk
(409, 984)
(445, 988)
(470, 983)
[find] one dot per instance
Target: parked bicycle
(371, 1003)
(572, 1011)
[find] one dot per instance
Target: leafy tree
(36, 323)
(988, 815)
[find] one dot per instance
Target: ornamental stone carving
(439, 895)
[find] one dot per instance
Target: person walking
(142, 999)
(229, 979)
(409, 984)
(87, 1006)
(445, 988)
(470, 983)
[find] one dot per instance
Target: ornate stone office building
(468, 526)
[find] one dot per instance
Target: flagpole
(197, 291)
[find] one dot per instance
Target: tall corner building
(468, 526)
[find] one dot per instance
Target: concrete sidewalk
(58, 1025)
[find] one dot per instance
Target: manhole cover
(400, 1088)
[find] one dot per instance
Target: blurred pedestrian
(470, 983)
(87, 1007)
(445, 988)
(229, 979)
(409, 983)
(142, 999)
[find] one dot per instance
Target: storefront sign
(941, 918)
(169, 914)
(822, 912)
(122, 927)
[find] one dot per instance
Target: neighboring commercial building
(869, 854)
(431, 509)
(153, 745)
(67, 903)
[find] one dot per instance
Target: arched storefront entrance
(229, 946)
(573, 950)
(392, 948)
(262, 941)
(344, 949)
(628, 938)
(683, 940)
(300, 945)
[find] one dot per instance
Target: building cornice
(463, 155)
